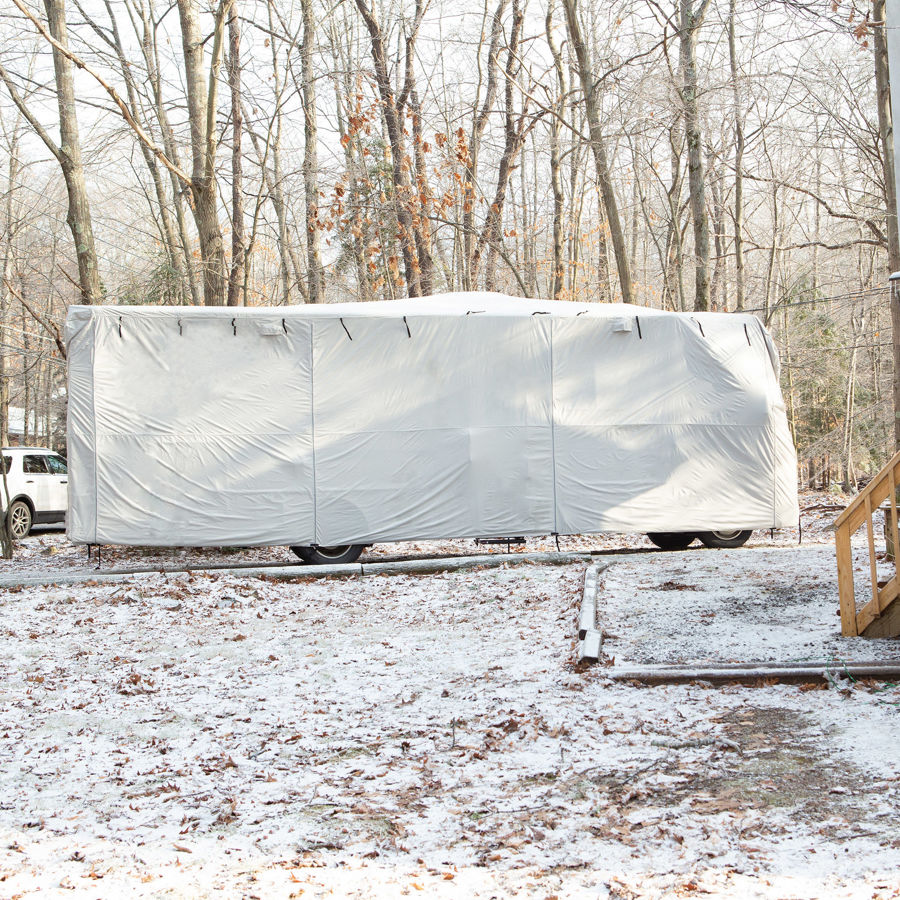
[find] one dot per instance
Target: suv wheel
(19, 519)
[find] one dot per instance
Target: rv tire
(672, 540)
(724, 539)
(329, 556)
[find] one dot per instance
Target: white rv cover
(459, 415)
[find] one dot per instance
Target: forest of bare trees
(681, 154)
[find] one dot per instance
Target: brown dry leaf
(716, 804)
(182, 849)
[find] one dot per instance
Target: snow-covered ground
(755, 604)
(194, 735)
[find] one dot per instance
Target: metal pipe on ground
(301, 572)
(590, 638)
(754, 673)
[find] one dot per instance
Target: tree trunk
(315, 272)
(393, 111)
(674, 263)
(789, 366)
(290, 267)
(598, 147)
(360, 229)
(289, 274)
(557, 267)
(6, 538)
(858, 326)
(773, 257)
(479, 123)
(886, 136)
(421, 222)
(689, 24)
(491, 236)
(238, 246)
(79, 212)
(717, 283)
(738, 165)
(113, 39)
(201, 104)
(151, 59)
(577, 191)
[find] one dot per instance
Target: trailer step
(509, 541)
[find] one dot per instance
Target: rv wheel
(734, 538)
(329, 556)
(672, 540)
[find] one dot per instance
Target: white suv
(37, 480)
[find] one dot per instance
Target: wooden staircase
(880, 616)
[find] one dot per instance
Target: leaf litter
(193, 735)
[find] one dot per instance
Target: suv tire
(19, 519)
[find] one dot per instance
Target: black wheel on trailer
(19, 519)
(329, 556)
(672, 540)
(733, 538)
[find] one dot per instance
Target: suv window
(34, 465)
(57, 465)
(7, 462)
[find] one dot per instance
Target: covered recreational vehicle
(332, 427)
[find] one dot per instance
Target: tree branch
(32, 121)
(47, 324)
(879, 234)
(142, 135)
(513, 266)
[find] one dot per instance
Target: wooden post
(895, 542)
(881, 492)
(845, 582)
(890, 525)
(870, 535)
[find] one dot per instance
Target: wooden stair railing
(880, 617)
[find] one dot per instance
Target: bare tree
(202, 92)
(738, 161)
(112, 38)
(557, 266)
(689, 21)
(514, 130)
(67, 152)
(415, 248)
(472, 150)
(598, 148)
(236, 282)
(291, 270)
(315, 272)
(147, 37)
(886, 141)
